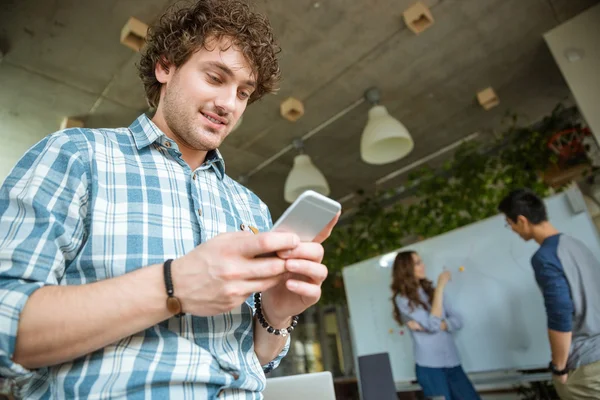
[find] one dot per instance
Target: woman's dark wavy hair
(182, 31)
(405, 284)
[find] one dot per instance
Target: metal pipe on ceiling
(305, 137)
(415, 164)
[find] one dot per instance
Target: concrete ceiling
(63, 58)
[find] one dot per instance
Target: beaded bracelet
(261, 319)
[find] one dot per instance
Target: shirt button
(168, 145)
(243, 227)
(194, 176)
(235, 376)
(200, 212)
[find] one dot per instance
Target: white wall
(16, 140)
(581, 33)
(33, 114)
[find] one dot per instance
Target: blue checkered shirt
(85, 205)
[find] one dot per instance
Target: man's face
(521, 227)
(204, 98)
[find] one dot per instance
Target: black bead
(276, 331)
(294, 323)
(290, 329)
(270, 329)
(264, 324)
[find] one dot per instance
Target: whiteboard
(496, 294)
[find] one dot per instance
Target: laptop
(315, 386)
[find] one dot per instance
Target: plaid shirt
(85, 205)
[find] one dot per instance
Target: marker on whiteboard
(460, 269)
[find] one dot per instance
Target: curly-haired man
(127, 269)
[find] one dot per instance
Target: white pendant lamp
(304, 176)
(384, 139)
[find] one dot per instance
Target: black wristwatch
(555, 371)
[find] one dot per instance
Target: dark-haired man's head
(523, 210)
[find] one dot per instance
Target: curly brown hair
(404, 283)
(182, 31)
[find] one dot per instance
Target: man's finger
(315, 272)
(267, 242)
(305, 251)
(257, 268)
(260, 285)
(324, 234)
(308, 290)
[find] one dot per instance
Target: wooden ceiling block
(292, 109)
(68, 122)
(487, 98)
(133, 34)
(418, 17)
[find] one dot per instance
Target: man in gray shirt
(568, 275)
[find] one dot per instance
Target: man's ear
(163, 70)
(522, 221)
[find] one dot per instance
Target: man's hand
(414, 326)
(301, 287)
(562, 378)
(223, 272)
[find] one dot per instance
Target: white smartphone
(308, 215)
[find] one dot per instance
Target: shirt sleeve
(43, 202)
(453, 318)
(429, 322)
(275, 363)
(557, 295)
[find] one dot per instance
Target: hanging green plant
(467, 189)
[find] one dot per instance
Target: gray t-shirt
(568, 275)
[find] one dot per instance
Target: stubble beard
(186, 126)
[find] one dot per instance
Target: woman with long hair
(427, 312)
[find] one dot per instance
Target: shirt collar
(145, 132)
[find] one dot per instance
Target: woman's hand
(414, 326)
(444, 278)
